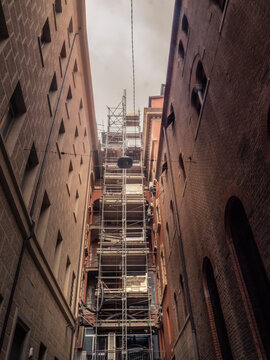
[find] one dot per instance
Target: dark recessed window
(67, 277)
(215, 310)
(43, 218)
(251, 266)
(164, 167)
(3, 25)
(58, 6)
(41, 352)
(171, 117)
(60, 138)
(17, 351)
(14, 110)
(45, 37)
(72, 289)
(182, 166)
(81, 104)
(57, 254)
(219, 3)
(75, 70)
(53, 86)
(181, 50)
(70, 26)
(185, 25)
(29, 173)
(63, 52)
(76, 132)
(198, 92)
(69, 93)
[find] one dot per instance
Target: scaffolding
(122, 325)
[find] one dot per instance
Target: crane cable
(132, 54)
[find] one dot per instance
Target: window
(251, 267)
(171, 117)
(72, 290)
(219, 3)
(67, 275)
(198, 92)
(76, 132)
(171, 206)
(57, 254)
(70, 176)
(18, 346)
(62, 57)
(181, 51)
(15, 109)
(218, 327)
(29, 174)
(185, 25)
(182, 166)
(81, 104)
(60, 138)
(58, 6)
(52, 93)
(69, 94)
(3, 25)
(75, 70)
(44, 39)
(85, 133)
(42, 352)
(81, 162)
(164, 167)
(76, 207)
(70, 30)
(43, 218)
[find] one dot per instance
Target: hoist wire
(132, 52)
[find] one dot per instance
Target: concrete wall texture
(217, 178)
(46, 111)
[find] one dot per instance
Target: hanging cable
(132, 54)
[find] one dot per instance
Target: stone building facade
(213, 165)
(48, 152)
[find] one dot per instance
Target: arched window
(182, 166)
(218, 328)
(181, 50)
(252, 267)
(185, 25)
(198, 92)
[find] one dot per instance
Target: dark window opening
(58, 6)
(171, 205)
(76, 132)
(42, 352)
(217, 311)
(63, 52)
(201, 77)
(15, 109)
(183, 292)
(45, 34)
(70, 26)
(252, 268)
(18, 342)
(198, 92)
(43, 218)
(185, 25)
(181, 50)
(182, 166)
(60, 137)
(171, 117)
(69, 94)
(75, 68)
(3, 25)
(220, 3)
(81, 104)
(164, 167)
(72, 289)
(53, 86)
(30, 171)
(195, 102)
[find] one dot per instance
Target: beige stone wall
(43, 293)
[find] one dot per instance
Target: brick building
(48, 152)
(213, 170)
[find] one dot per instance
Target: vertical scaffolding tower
(123, 321)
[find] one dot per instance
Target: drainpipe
(25, 241)
(82, 241)
(193, 329)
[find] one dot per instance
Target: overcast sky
(109, 38)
